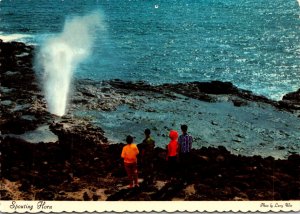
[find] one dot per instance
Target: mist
(61, 54)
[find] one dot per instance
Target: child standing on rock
(147, 154)
(172, 152)
(129, 153)
(185, 146)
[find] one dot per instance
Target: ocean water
(252, 43)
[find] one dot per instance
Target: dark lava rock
(86, 197)
(17, 126)
(293, 97)
(217, 87)
(5, 195)
(45, 195)
(125, 194)
(211, 176)
(295, 158)
(95, 198)
(291, 101)
(239, 103)
(208, 91)
(25, 187)
(168, 191)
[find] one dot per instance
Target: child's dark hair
(184, 128)
(147, 132)
(129, 139)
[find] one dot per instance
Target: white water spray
(60, 55)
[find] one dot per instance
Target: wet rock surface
(95, 95)
(212, 92)
(82, 165)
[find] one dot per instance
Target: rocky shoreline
(82, 165)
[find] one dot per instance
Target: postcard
(114, 106)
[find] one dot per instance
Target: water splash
(13, 37)
(60, 55)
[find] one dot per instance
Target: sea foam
(14, 37)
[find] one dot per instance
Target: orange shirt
(129, 153)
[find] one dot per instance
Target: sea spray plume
(60, 55)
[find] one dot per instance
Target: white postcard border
(144, 206)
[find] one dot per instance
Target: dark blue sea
(254, 44)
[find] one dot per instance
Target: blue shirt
(185, 142)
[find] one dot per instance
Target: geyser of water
(60, 55)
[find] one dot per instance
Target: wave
(14, 37)
(29, 39)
